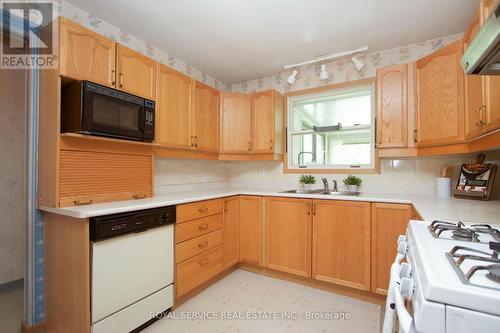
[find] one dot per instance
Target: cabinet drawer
(193, 272)
(195, 228)
(199, 209)
(197, 245)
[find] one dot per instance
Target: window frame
(288, 165)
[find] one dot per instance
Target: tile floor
(247, 295)
(11, 309)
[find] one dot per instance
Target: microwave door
(109, 116)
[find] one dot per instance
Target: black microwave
(90, 108)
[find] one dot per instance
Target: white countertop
(429, 207)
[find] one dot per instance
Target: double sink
(321, 191)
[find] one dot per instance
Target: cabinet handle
(203, 262)
(314, 209)
(249, 146)
(120, 79)
(482, 116)
(309, 209)
(196, 141)
(139, 196)
(203, 210)
(82, 202)
(202, 245)
(415, 134)
(113, 77)
(203, 227)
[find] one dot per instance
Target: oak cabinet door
(288, 235)
(173, 108)
(263, 122)
(341, 243)
(491, 111)
(230, 231)
(135, 72)
(205, 118)
(86, 55)
(439, 97)
(392, 106)
(235, 123)
(250, 229)
(389, 221)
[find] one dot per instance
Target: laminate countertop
(429, 207)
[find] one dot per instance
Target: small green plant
(307, 179)
(352, 180)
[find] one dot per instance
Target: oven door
(112, 113)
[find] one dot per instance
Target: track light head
(293, 77)
(358, 63)
(323, 74)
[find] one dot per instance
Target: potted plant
(307, 181)
(352, 183)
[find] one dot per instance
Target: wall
(342, 70)
(116, 34)
(12, 182)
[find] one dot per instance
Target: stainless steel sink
(339, 193)
(300, 191)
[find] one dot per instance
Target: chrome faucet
(325, 183)
(302, 154)
(335, 189)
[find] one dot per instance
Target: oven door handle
(406, 322)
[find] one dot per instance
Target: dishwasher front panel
(128, 268)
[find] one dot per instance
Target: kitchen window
(332, 129)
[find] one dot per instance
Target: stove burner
(465, 234)
(493, 273)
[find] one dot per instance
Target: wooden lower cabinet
(388, 222)
(250, 216)
(231, 251)
(341, 243)
(288, 235)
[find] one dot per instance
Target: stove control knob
(402, 247)
(401, 239)
(407, 288)
(405, 270)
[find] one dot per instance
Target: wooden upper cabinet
(173, 108)
(392, 106)
(388, 222)
(250, 229)
(236, 116)
(439, 97)
(288, 235)
(230, 231)
(205, 124)
(135, 72)
(267, 122)
(341, 243)
(86, 55)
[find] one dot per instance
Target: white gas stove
(450, 280)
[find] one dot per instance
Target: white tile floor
(243, 292)
(11, 310)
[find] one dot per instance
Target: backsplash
(343, 70)
(409, 175)
(116, 34)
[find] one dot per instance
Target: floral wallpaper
(104, 28)
(343, 70)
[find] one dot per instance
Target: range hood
(483, 55)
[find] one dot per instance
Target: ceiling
(238, 40)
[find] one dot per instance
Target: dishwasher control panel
(111, 226)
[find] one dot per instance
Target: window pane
(308, 149)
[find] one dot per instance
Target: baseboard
(337, 289)
(38, 328)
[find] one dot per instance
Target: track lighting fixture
(358, 63)
(323, 73)
(291, 79)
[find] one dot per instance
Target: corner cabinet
(135, 72)
(439, 97)
(236, 116)
(85, 55)
(205, 124)
(341, 243)
(392, 107)
(230, 231)
(388, 222)
(288, 235)
(250, 219)
(267, 122)
(173, 108)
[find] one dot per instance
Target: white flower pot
(352, 188)
(307, 187)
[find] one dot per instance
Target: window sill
(373, 170)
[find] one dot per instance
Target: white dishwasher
(132, 268)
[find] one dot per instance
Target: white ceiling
(237, 40)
